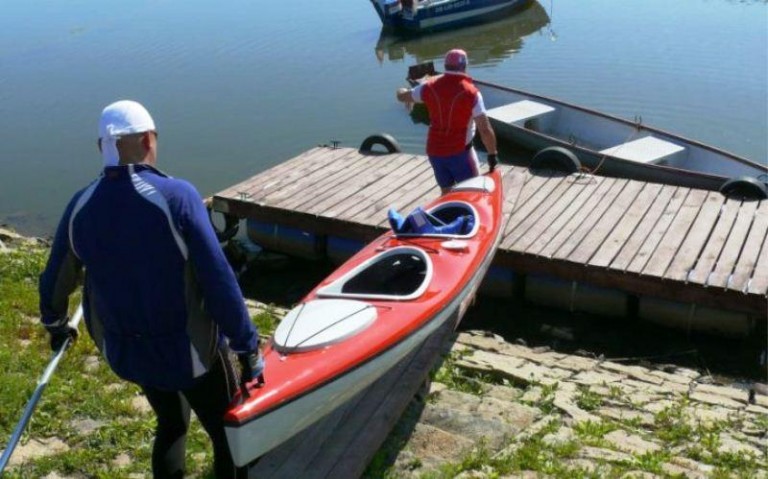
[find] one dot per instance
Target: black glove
(492, 161)
(252, 367)
(59, 334)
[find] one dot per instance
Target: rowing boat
(577, 138)
(365, 317)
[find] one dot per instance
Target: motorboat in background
(418, 16)
(486, 44)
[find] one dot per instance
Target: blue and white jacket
(159, 295)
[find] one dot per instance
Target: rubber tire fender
(231, 226)
(556, 158)
(745, 187)
(384, 139)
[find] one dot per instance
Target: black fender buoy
(745, 187)
(556, 158)
(231, 226)
(383, 139)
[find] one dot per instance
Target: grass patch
(672, 424)
(457, 378)
(587, 399)
(76, 391)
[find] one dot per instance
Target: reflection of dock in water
(485, 44)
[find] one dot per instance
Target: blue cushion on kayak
(396, 220)
(421, 222)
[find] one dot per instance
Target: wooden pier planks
(645, 238)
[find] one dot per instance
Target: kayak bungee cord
(41, 383)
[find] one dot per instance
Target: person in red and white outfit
(456, 110)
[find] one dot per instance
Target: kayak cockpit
(400, 273)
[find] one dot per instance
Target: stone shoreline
(606, 418)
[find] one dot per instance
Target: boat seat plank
(653, 240)
(590, 223)
(599, 233)
(700, 273)
(730, 255)
(633, 244)
(518, 111)
(675, 235)
(623, 230)
(644, 150)
(756, 241)
(597, 193)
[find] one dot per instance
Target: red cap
(456, 60)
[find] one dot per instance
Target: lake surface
(240, 86)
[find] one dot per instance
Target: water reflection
(486, 44)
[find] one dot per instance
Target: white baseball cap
(124, 117)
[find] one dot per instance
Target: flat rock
(91, 364)
(600, 454)
(590, 378)
(431, 445)
(630, 443)
(37, 448)
(730, 445)
(86, 425)
(473, 426)
(504, 393)
(623, 414)
(636, 372)
(140, 404)
(716, 400)
(122, 460)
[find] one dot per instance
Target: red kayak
(370, 313)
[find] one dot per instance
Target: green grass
(73, 393)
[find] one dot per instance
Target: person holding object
(455, 106)
(160, 300)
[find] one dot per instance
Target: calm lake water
(236, 87)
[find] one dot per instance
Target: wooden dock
(666, 242)
(646, 239)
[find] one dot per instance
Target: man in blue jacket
(160, 300)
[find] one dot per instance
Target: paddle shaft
(41, 384)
